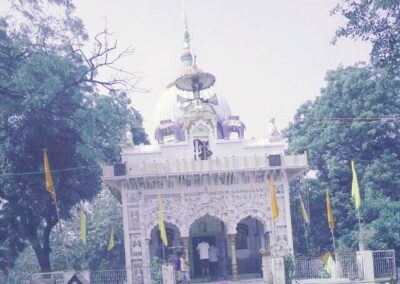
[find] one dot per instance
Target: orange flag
(47, 176)
(274, 202)
(329, 211)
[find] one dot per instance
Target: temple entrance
(249, 241)
(208, 240)
(167, 253)
(196, 259)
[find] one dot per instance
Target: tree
(103, 213)
(377, 21)
(50, 98)
(355, 118)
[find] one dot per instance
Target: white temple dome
(169, 105)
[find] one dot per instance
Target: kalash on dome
(209, 190)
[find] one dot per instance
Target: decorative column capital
(232, 238)
(267, 238)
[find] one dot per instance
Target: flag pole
(306, 221)
(330, 217)
(273, 249)
(355, 194)
(306, 236)
(333, 242)
(61, 230)
(360, 237)
(274, 209)
(84, 257)
(81, 214)
(163, 251)
(52, 190)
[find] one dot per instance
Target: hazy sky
(268, 56)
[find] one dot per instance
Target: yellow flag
(82, 219)
(111, 241)
(355, 190)
(274, 203)
(304, 212)
(161, 224)
(329, 264)
(47, 176)
(329, 212)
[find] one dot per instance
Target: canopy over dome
(171, 104)
(191, 98)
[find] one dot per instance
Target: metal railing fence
(308, 267)
(347, 266)
(384, 264)
(56, 277)
(96, 277)
(108, 277)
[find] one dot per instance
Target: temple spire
(186, 57)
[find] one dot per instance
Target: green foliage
(50, 98)
(355, 118)
(103, 213)
(314, 239)
(288, 260)
(377, 21)
(156, 271)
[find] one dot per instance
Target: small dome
(169, 105)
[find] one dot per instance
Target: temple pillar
(185, 241)
(266, 259)
(232, 242)
(267, 242)
(365, 262)
(146, 262)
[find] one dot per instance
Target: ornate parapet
(292, 163)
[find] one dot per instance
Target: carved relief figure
(167, 128)
(128, 136)
(233, 124)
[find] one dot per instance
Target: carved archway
(201, 211)
(250, 238)
(211, 230)
(263, 217)
(158, 249)
(168, 218)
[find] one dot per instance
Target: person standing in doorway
(213, 253)
(177, 265)
(203, 248)
(185, 275)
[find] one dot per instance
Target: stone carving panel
(230, 204)
(137, 272)
(135, 244)
(133, 196)
(133, 219)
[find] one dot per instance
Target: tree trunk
(42, 255)
(43, 251)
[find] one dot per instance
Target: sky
(269, 57)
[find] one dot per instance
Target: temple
(214, 184)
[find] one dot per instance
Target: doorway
(196, 257)
(213, 231)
